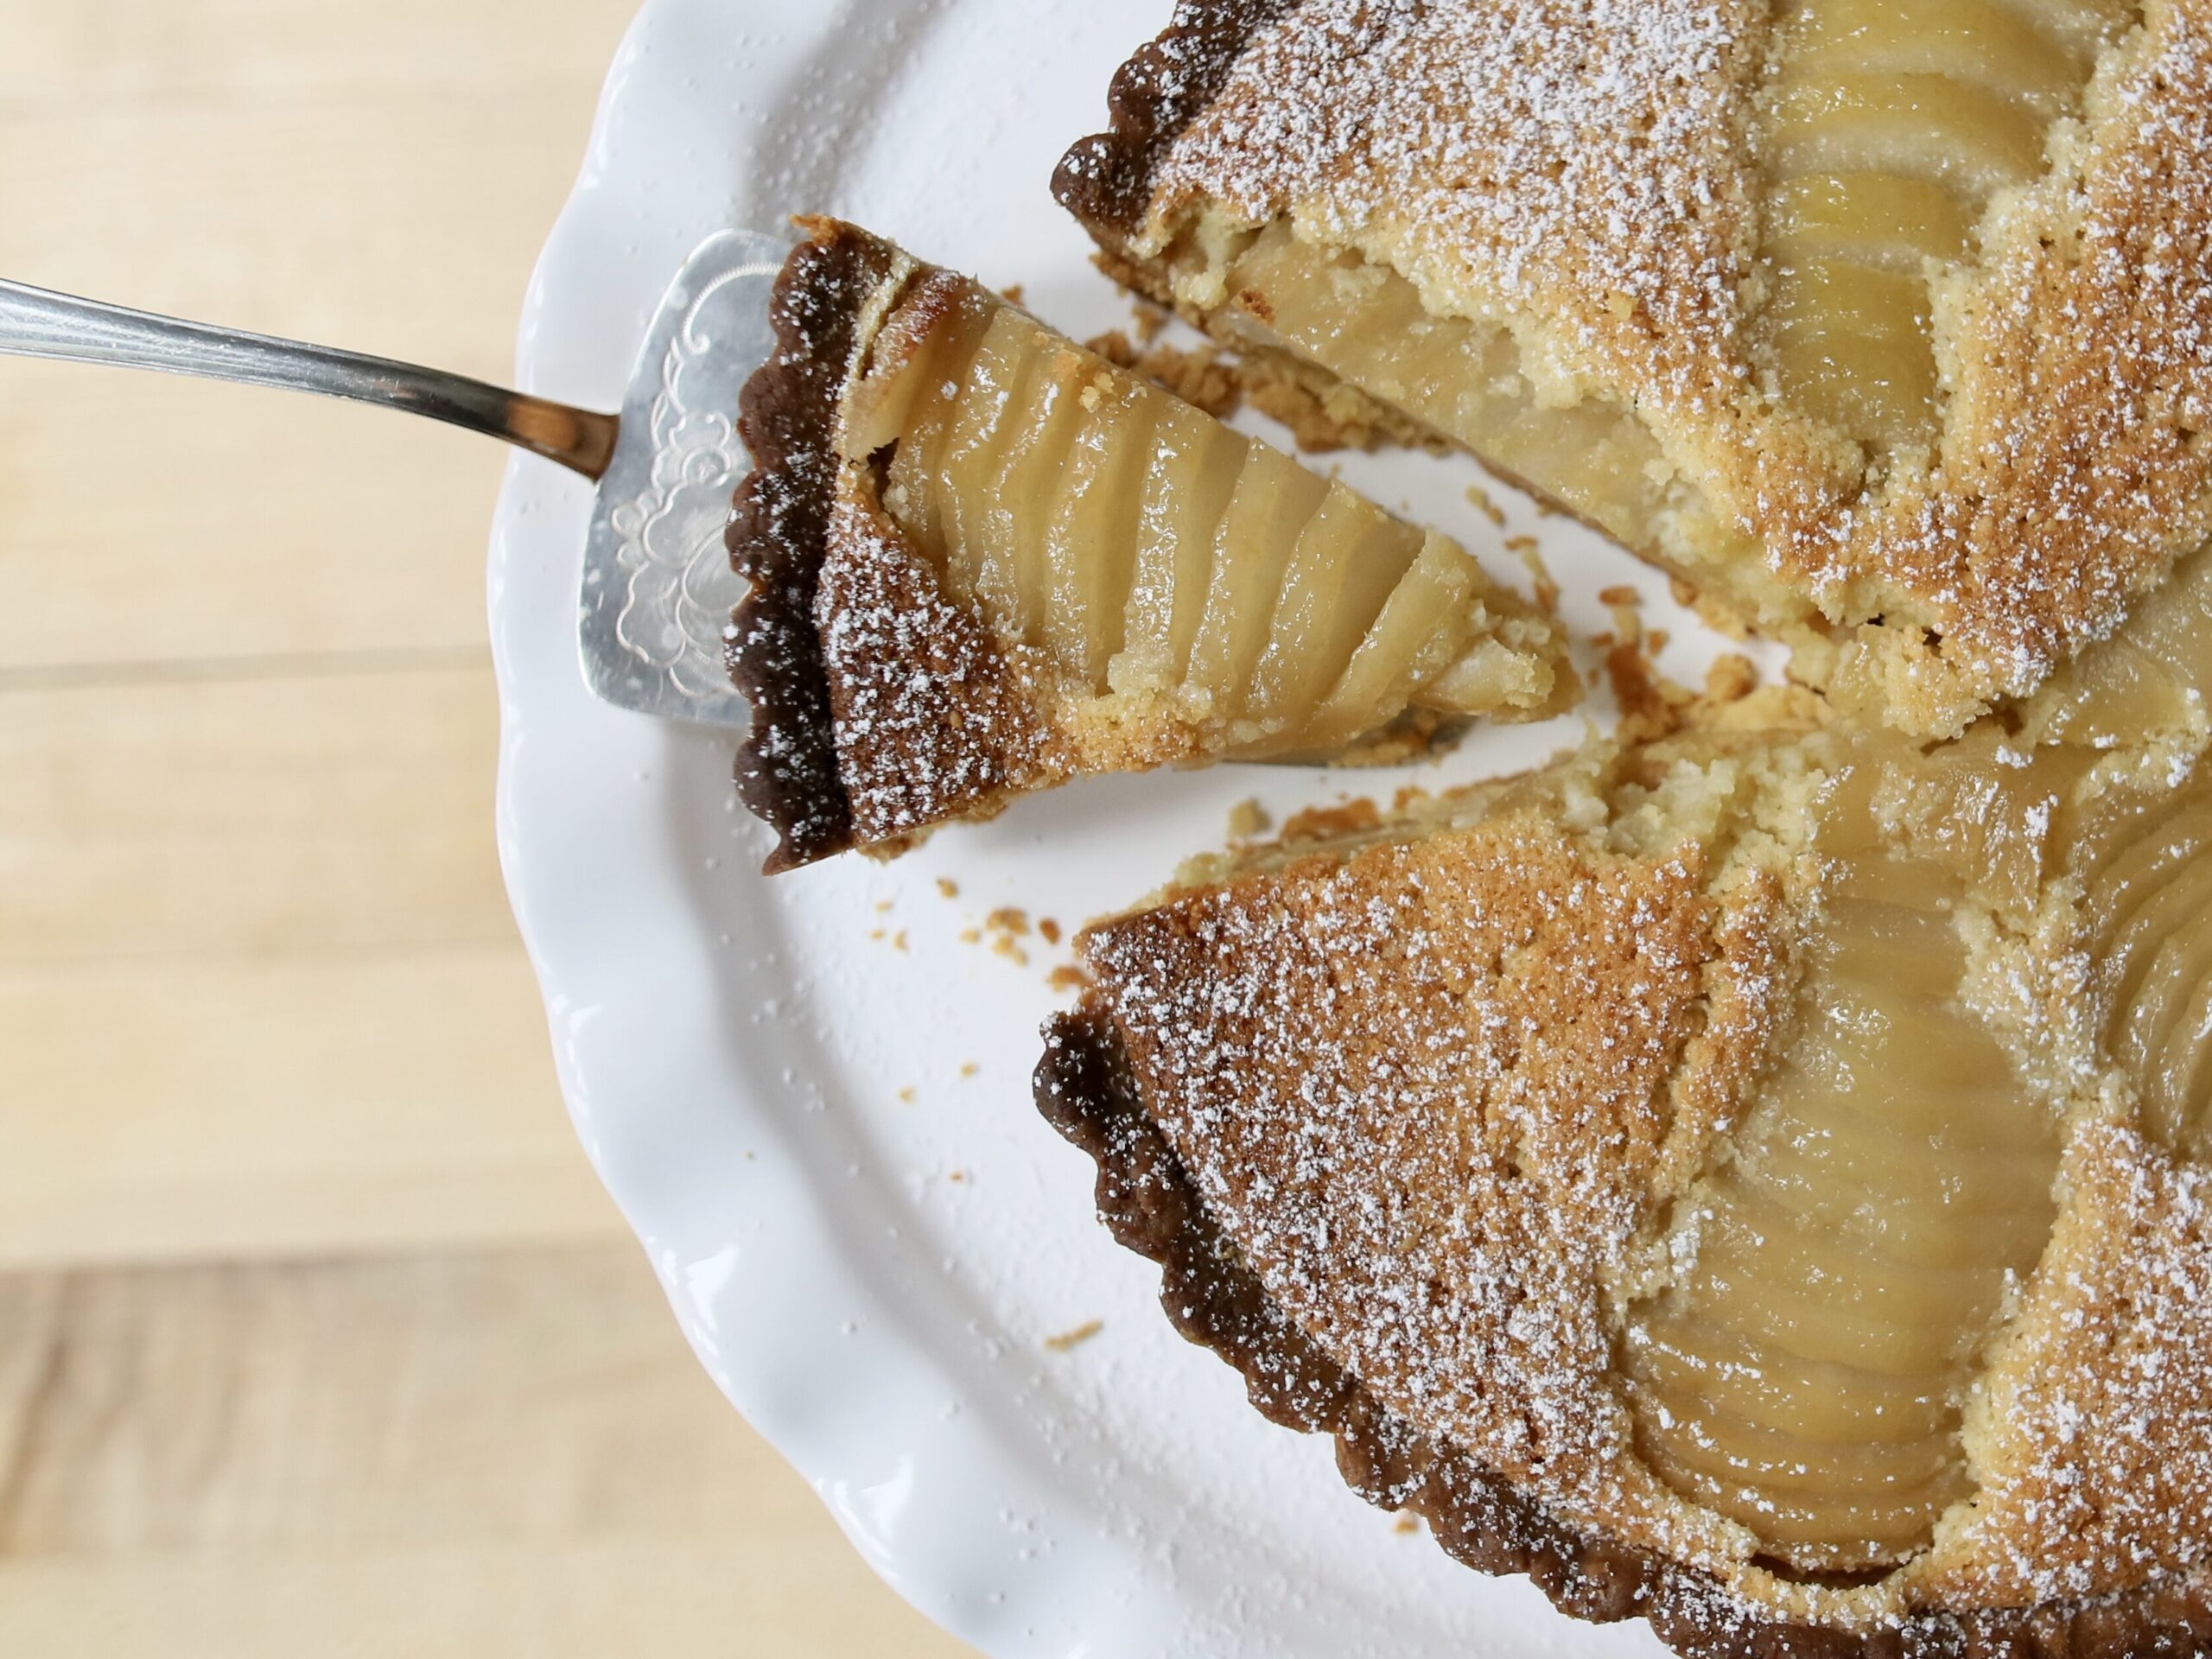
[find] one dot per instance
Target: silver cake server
(656, 588)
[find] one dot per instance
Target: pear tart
(1751, 1181)
(1882, 323)
(984, 560)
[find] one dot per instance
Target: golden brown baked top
(1581, 160)
(1590, 173)
(1438, 1092)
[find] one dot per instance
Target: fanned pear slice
(986, 561)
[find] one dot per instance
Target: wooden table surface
(316, 1334)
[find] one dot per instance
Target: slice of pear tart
(985, 561)
(1752, 1181)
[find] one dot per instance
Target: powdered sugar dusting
(1427, 1091)
(2100, 1474)
(931, 719)
(2073, 472)
(1578, 156)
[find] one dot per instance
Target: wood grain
(148, 54)
(364, 1102)
(316, 1333)
(509, 1454)
(317, 806)
(210, 522)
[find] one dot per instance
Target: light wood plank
(153, 520)
(283, 219)
(91, 51)
(358, 1101)
(250, 816)
(522, 1395)
(771, 1591)
(509, 1454)
(156, 520)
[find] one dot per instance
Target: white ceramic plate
(824, 1139)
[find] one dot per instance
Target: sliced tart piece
(985, 561)
(1741, 1181)
(1850, 313)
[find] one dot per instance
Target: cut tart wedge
(1869, 319)
(1752, 1181)
(985, 561)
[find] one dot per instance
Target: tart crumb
(1006, 925)
(1651, 705)
(947, 887)
(1068, 977)
(906, 1096)
(1540, 574)
(1247, 819)
(1479, 498)
(1325, 822)
(1201, 377)
(1624, 602)
(1048, 930)
(1318, 427)
(1731, 677)
(1114, 346)
(969, 1068)
(1221, 382)
(1071, 1340)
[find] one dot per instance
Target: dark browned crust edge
(787, 771)
(1105, 180)
(1086, 1089)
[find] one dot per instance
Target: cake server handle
(34, 322)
